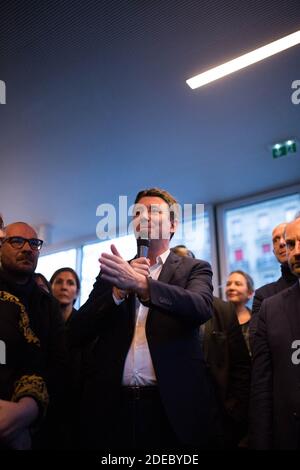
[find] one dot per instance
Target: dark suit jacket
(181, 299)
(275, 393)
(227, 356)
(286, 280)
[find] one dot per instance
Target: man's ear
(174, 225)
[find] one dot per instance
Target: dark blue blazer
(181, 300)
(275, 392)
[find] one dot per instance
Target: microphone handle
(142, 251)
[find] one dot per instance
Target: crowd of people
(153, 360)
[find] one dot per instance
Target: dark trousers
(142, 423)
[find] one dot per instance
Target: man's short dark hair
(163, 194)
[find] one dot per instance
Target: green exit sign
(283, 148)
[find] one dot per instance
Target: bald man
(19, 253)
(286, 279)
(275, 397)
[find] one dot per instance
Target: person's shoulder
(275, 300)
(272, 288)
(223, 306)
(45, 298)
(41, 293)
(10, 301)
(266, 290)
(188, 261)
(220, 304)
(224, 311)
(6, 296)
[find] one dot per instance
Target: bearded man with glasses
(23, 391)
(19, 253)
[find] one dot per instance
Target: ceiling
(97, 105)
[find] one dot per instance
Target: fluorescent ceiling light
(244, 60)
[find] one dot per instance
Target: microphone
(142, 247)
(142, 252)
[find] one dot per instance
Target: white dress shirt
(138, 369)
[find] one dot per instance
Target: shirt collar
(161, 259)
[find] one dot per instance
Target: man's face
(279, 246)
(292, 238)
(152, 218)
(19, 260)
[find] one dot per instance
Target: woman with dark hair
(65, 286)
(239, 290)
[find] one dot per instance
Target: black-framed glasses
(18, 242)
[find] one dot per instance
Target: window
(90, 265)
(195, 235)
(48, 264)
(249, 247)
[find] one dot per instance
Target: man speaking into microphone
(146, 386)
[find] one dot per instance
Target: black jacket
(287, 279)
(275, 397)
(229, 362)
